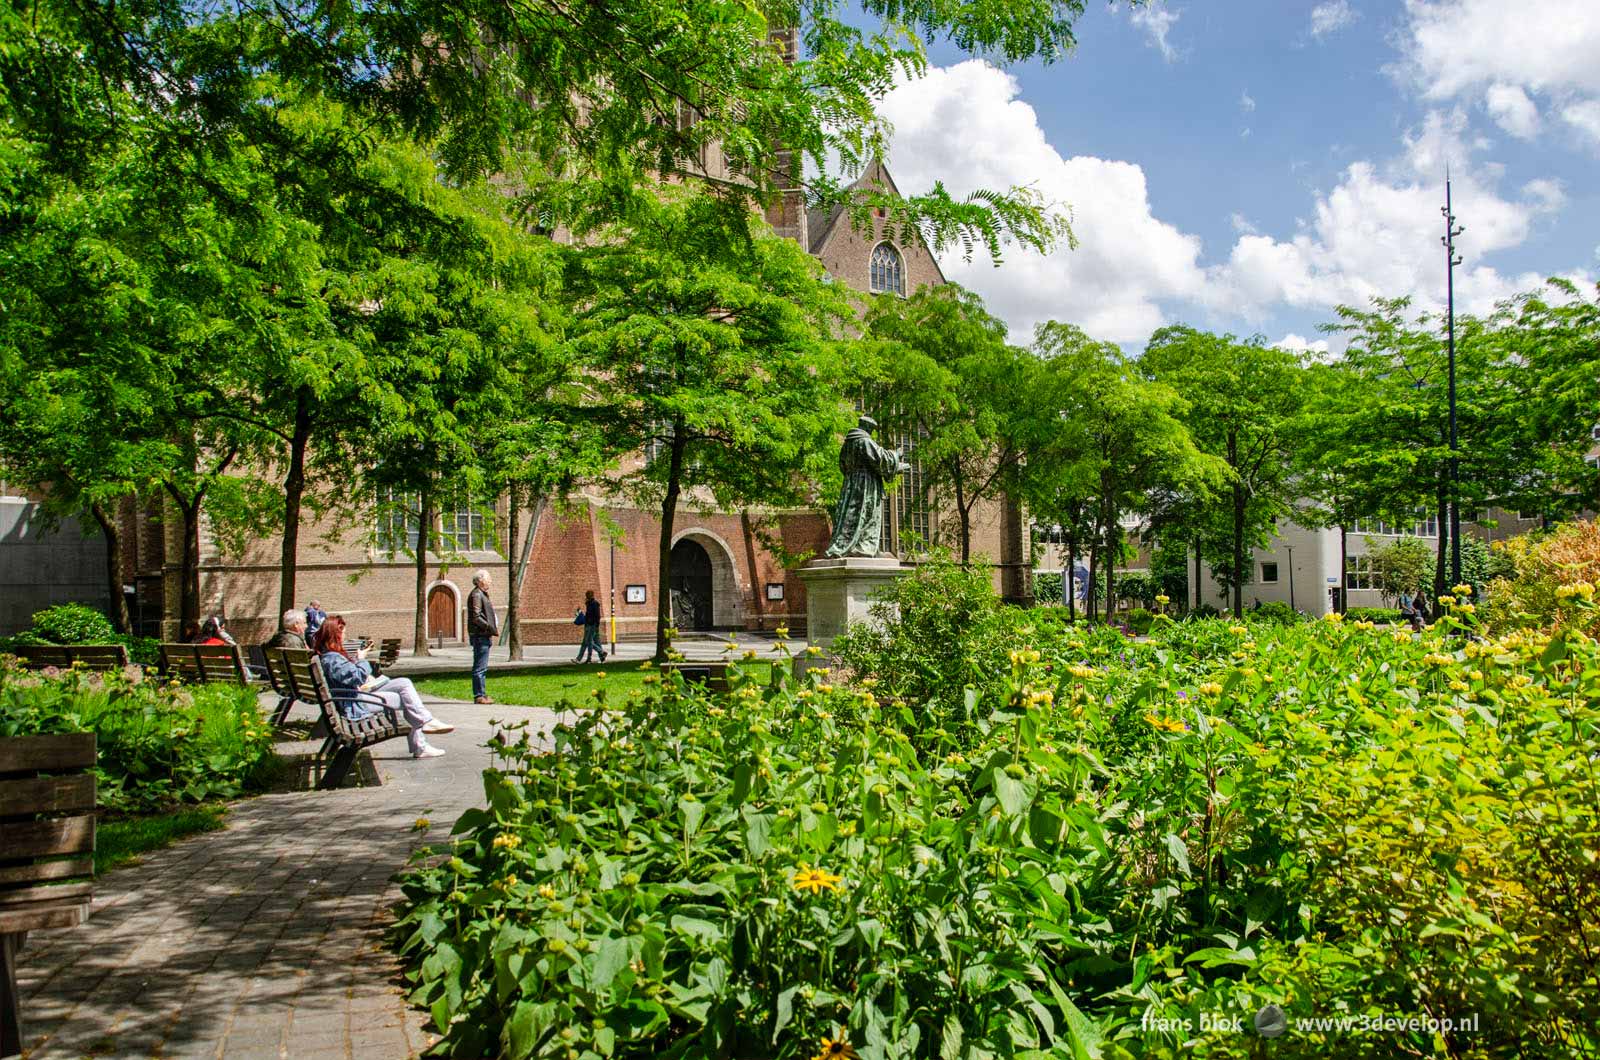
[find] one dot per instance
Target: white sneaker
(429, 751)
(436, 727)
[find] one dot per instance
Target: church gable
(872, 261)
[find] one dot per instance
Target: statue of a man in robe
(858, 517)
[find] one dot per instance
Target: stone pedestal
(840, 593)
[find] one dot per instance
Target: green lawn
(122, 839)
(547, 686)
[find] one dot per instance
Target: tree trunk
(966, 515)
(757, 591)
(419, 642)
(294, 487)
(1069, 581)
(1238, 526)
(669, 512)
(120, 617)
(519, 575)
(1194, 601)
(189, 568)
(1441, 570)
(513, 636)
(1344, 567)
(1111, 576)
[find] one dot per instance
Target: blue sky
(1246, 165)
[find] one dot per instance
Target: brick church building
(725, 577)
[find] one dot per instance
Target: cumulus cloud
(1301, 344)
(1374, 233)
(1512, 53)
(1512, 110)
(1157, 21)
(1331, 17)
(1128, 263)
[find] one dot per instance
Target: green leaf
(610, 957)
(1179, 852)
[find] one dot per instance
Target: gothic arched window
(888, 271)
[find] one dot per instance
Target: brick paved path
(264, 939)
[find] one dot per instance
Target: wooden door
(441, 613)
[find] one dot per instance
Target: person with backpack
(588, 617)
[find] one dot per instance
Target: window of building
(1527, 517)
(888, 271)
(1269, 573)
(1593, 460)
(1358, 572)
(1429, 527)
(399, 521)
(1594, 432)
(911, 513)
(466, 529)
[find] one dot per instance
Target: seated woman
(212, 632)
(346, 674)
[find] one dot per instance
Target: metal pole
(1451, 230)
(613, 598)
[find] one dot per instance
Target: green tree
(944, 377)
(1401, 566)
(1243, 407)
(715, 355)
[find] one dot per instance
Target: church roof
(820, 224)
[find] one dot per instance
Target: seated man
(292, 633)
(349, 675)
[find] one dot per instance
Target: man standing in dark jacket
(591, 629)
(482, 627)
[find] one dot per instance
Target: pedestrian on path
(315, 617)
(482, 627)
(591, 629)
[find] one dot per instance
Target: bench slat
(33, 839)
(44, 915)
(47, 794)
(21, 899)
(39, 871)
(71, 750)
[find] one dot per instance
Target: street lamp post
(1291, 577)
(1452, 259)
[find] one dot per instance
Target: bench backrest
(388, 652)
(322, 696)
(712, 674)
(91, 656)
(205, 663)
(46, 831)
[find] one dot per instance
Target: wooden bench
(283, 664)
(388, 652)
(66, 656)
(303, 679)
(205, 664)
(46, 851)
(714, 675)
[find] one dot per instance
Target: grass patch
(121, 840)
(547, 686)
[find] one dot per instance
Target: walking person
(1419, 610)
(482, 627)
(349, 674)
(591, 629)
(315, 617)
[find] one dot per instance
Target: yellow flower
(1334, 617)
(815, 880)
(422, 824)
(1164, 724)
(1446, 599)
(1083, 673)
(1163, 599)
(781, 632)
(546, 891)
(812, 649)
(837, 1047)
(1210, 688)
(1462, 590)
(507, 840)
(1238, 629)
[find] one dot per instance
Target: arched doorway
(691, 586)
(441, 612)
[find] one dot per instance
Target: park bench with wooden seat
(712, 674)
(301, 677)
(204, 664)
(281, 675)
(388, 652)
(65, 656)
(46, 851)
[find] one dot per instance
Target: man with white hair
(482, 627)
(292, 633)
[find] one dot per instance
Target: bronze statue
(858, 517)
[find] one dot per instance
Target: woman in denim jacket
(346, 676)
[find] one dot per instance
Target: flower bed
(158, 744)
(1091, 848)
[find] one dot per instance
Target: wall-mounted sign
(774, 590)
(634, 594)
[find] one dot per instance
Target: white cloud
(1331, 17)
(1512, 110)
(1512, 52)
(1300, 344)
(1374, 233)
(1246, 103)
(1585, 117)
(1157, 21)
(1128, 263)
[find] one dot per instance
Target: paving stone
(265, 939)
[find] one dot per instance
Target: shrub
(1276, 612)
(1112, 841)
(1556, 576)
(72, 624)
(1378, 615)
(1138, 621)
(157, 744)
